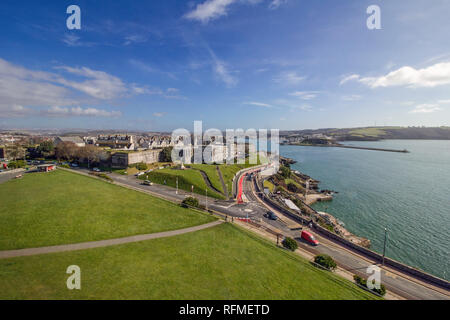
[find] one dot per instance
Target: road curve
(403, 285)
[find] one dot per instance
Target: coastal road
(226, 207)
(255, 209)
(394, 281)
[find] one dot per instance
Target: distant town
(119, 150)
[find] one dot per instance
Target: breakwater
(388, 189)
(368, 148)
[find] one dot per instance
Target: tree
(166, 154)
(290, 244)
(46, 146)
(89, 153)
(141, 166)
(16, 152)
(363, 282)
(45, 149)
(190, 202)
(325, 261)
(66, 150)
(285, 172)
(17, 164)
(292, 187)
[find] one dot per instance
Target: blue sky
(287, 64)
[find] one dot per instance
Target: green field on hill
(186, 179)
(212, 174)
(223, 262)
(61, 207)
(229, 171)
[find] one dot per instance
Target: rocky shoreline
(331, 223)
(309, 193)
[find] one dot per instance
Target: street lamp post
(384, 246)
(206, 199)
(177, 186)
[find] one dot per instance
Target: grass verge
(223, 262)
(61, 207)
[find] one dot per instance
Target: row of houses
(130, 142)
(128, 150)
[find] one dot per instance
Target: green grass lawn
(212, 174)
(60, 207)
(269, 185)
(229, 171)
(368, 132)
(186, 179)
(223, 262)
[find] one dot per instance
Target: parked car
(147, 183)
(272, 216)
(308, 237)
(74, 165)
(96, 170)
(139, 174)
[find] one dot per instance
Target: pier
(368, 148)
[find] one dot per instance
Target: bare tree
(89, 153)
(16, 152)
(66, 150)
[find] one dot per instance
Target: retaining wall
(422, 275)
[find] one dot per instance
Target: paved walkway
(225, 189)
(103, 243)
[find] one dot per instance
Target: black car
(271, 215)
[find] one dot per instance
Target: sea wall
(422, 275)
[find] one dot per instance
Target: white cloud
(100, 85)
(289, 78)
(150, 69)
(72, 40)
(293, 105)
(353, 97)
(209, 10)
(172, 90)
(305, 95)
(349, 78)
(158, 114)
(136, 38)
(259, 104)
(426, 108)
(221, 70)
(275, 4)
(214, 9)
(78, 111)
(444, 101)
(432, 76)
(14, 111)
(224, 74)
(303, 107)
(25, 92)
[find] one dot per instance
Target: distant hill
(379, 133)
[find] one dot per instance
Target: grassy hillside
(60, 207)
(192, 177)
(377, 133)
(212, 174)
(229, 171)
(223, 262)
(186, 179)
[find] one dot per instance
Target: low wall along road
(367, 252)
